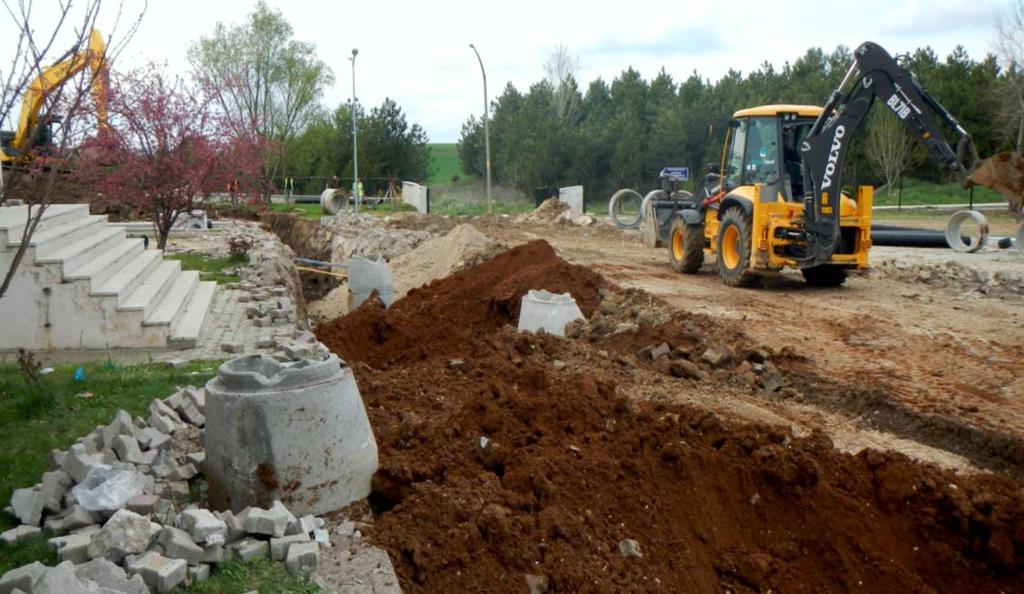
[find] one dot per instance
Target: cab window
(761, 158)
(734, 159)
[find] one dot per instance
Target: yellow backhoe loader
(777, 199)
(34, 135)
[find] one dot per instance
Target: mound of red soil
(522, 464)
(442, 318)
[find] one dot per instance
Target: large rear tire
(686, 246)
(826, 275)
(734, 244)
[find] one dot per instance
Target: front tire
(686, 246)
(826, 275)
(734, 244)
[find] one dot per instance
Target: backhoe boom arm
(824, 150)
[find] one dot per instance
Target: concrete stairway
(83, 283)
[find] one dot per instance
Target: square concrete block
(202, 524)
(279, 546)
(22, 578)
(199, 573)
(18, 534)
(248, 549)
(303, 558)
(159, 572)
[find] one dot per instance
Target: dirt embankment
(511, 461)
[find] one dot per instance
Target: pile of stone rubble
(116, 504)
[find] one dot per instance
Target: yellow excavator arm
(51, 79)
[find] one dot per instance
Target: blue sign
(678, 174)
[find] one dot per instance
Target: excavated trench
(512, 461)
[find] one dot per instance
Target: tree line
(621, 134)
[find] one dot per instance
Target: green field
(444, 163)
(917, 191)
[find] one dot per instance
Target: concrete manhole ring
(1020, 237)
(332, 201)
(954, 231)
(615, 209)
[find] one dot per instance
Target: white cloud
(417, 52)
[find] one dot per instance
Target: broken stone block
(162, 424)
(629, 548)
(125, 533)
(128, 450)
(121, 425)
(183, 472)
(247, 549)
(54, 526)
(199, 573)
(175, 363)
(201, 525)
(28, 505)
(684, 368)
(303, 558)
(304, 525)
(159, 407)
(178, 544)
(190, 413)
(22, 578)
(78, 462)
(660, 351)
(321, 536)
(143, 504)
(197, 396)
(232, 347)
(279, 546)
(18, 534)
(196, 458)
(155, 439)
(53, 486)
(176, 400)
(78, 517)
(56, 458)
(213, 553)
(159, 572)
(60, 580)
(272, 522)
(176, 489)
(236, 523)
(717, 356)
(73, 547)
(109, 575)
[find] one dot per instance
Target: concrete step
(173, 301)
(148, 294)
(105, 265)
(185, 330)
(79, 252)
(49, 239)
(14, 218)
(124, 282)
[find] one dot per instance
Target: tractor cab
(763, 147)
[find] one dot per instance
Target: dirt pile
(549, 211)
(442, 318)
(514, 462)
(439, 257)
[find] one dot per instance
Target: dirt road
(934, 372)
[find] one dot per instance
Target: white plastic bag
(106, 488)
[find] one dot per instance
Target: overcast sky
(418, 53)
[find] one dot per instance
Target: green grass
(265, 576)
(476, 209)
(209, 267)
(313, 211)
(444, 163)
(917, 191)
(36, 418)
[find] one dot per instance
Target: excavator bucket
(1003, 173)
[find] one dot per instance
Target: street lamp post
(487, 133)
(355, 145)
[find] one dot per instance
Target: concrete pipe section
(369, 274)
(332, 201)
(295, 432)
(620, 219)
(955, 231)
(1019, 239)
(551, 312)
